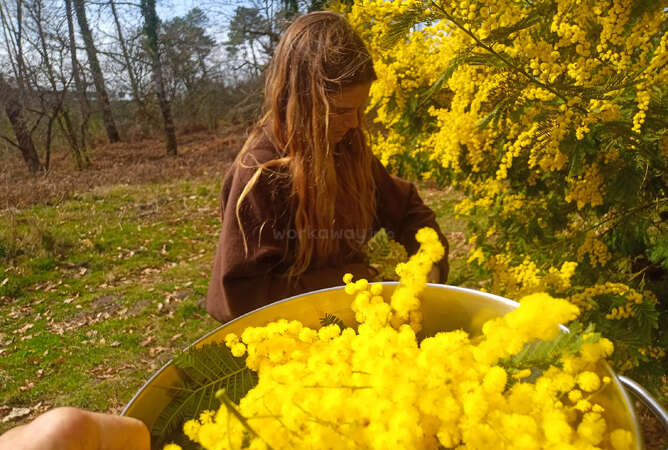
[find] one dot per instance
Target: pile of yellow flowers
(533, 110)
(379, 387)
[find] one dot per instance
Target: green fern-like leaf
(403, 23)
(658, 251)
(384, 254)
(379, 244)
(482, 123)
(503, 33)
(639, 8)
(540, 355)
(443, 78)
(647, 316)
(204, 370)
(465, 58)
(331, 319)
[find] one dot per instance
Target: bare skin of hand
(76, 429)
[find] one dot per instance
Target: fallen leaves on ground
(16, 413)
(104, 371)
(12, 414)
(139, 162)
(153, 351)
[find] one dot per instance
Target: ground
(103, 272)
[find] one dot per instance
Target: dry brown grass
(145, 161)
(654, 434)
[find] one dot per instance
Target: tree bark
(151, 23)
(14, 110)
(59, 111)
(19, 45)
(78, 84)
(126, 55)
(98, 78)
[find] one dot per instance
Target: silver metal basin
(444, 308)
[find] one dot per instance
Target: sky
(168, 9)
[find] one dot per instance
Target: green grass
(443, 202)
(97, 292)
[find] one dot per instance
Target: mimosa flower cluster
(381, 387)
(550, 117)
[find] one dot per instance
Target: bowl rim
(513, 303)
(507, 301)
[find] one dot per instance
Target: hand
(434, 275)
(76, 429)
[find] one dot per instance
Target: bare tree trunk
(25, 143)
(98, 78)
(13, 37)
(69, 127)
(14, 110)
(256, 67)
(19, 44)
(58, 108)
(12, 100)
(126, 55)
(291, 8)
(151, 23)
(78, 85)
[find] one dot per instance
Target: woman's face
(344, 111)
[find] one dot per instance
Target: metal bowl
(444, 308)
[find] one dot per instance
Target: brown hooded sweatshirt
(243, 281)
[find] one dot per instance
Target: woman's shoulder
(258, 150)
(257, 154)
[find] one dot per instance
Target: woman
(305, 192)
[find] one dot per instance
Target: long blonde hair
(317, 57)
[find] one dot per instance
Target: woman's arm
(241, 287)
(402, 213)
